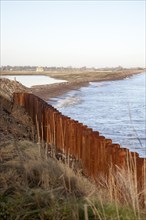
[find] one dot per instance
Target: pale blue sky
(76, 33)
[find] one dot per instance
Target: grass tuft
(33, 187)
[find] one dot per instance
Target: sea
(117, 109)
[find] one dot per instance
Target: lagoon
(31, 80)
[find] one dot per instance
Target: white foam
(68, 101)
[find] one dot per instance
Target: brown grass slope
(35, 186)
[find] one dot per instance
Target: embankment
(75, 79)
(14, 122)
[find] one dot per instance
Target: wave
(68, 101)
(99, 84)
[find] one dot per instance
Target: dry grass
(33, 186)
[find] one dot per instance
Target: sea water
(114, 108)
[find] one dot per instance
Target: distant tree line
(69, 68)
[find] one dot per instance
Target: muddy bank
(76, 81)
(8, 87)
(15, 124)
(49, 91)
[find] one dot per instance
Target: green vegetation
(34, 186)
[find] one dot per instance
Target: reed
(34, 186)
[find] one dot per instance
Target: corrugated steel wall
(95, 152)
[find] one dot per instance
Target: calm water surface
(31, 80)
(115, 108)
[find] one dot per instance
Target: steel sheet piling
(96, 153)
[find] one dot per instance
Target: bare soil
(76, 80)
(15, 124)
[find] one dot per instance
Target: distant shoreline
(77, 81)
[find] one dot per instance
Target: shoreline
(49, 91)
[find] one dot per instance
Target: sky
(73, 33)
